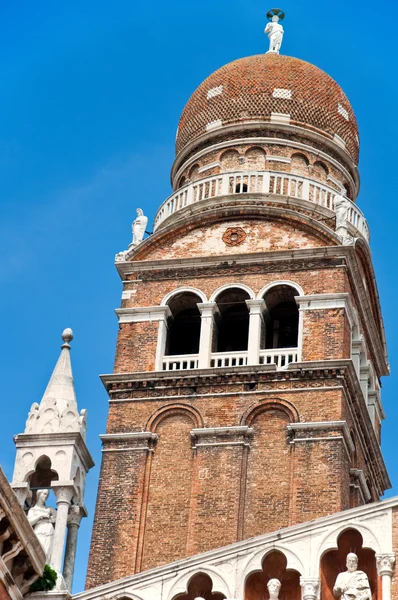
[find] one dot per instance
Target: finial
(67, 336)
(275, 30)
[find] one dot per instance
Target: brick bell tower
(246, 389)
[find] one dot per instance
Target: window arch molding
(269, 286)
(174, 408)
(240, 286)
(220, 584)
(254, 563)
(269, 404)
(182, 290)
(331, 539)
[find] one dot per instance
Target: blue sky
(91, 96)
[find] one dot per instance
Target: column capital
(207, 309)
(76, 514)
(256, 306)
(385, 564)
(64, 491)
(310, 587)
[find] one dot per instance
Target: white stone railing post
(208, 311)
(162, 337)
(256, 324)
(309, 588)
(385, 569)
(64, 492)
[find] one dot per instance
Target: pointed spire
(57, 411)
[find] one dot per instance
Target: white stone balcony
(268, 183)
(280, 357)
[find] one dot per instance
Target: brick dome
(250, 89)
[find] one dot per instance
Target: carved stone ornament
(310, 588)
(234, 236)
(385, 564)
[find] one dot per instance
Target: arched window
(255, 159)
(230, 161)
(200, 586)
(282, 317)
(184, 327)
(241, 188)
(232, 331)
(43, 475)
(299, 164)
(320, 170)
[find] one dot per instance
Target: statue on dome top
(275, 30)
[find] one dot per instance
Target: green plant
(46, 582)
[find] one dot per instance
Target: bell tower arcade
(245, 395)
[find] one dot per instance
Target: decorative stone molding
(385, 564)
(359, 482)
(143, 314)
(310, 587)
(129, 442)
(300, 431)
(327, 302)
(221, 436)
(234, 236)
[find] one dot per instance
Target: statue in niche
(42, 519)
(275, 33)
(139, 227)
(274, 587)
(352, 584)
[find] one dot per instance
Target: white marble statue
(352, 584)
(274, 587)
(139, 227)
(275, 33)
(341, 207)
(42, 519)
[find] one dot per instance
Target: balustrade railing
(228, 359)
(280, 357)
(180, 363)
(259, 182)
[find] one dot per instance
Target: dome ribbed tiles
(252, 88)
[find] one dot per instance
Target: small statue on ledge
(139, 227)
(42, 519)
(352, 584)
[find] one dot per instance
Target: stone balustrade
(268, 183)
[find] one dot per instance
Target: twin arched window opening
(279, 326)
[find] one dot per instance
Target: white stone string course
(261, 182)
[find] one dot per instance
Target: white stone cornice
(222, 436)
(322, 425)
(141, 314)
(327, 302)
(125, 437)
(358, 474)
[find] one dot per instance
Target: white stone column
(309, 587)
(256, 323)
(64, 492)
(385, 569)
(356, 352)
(75, 516)
(208, 311)
(164, 314)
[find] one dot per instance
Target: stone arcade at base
(241, 458)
